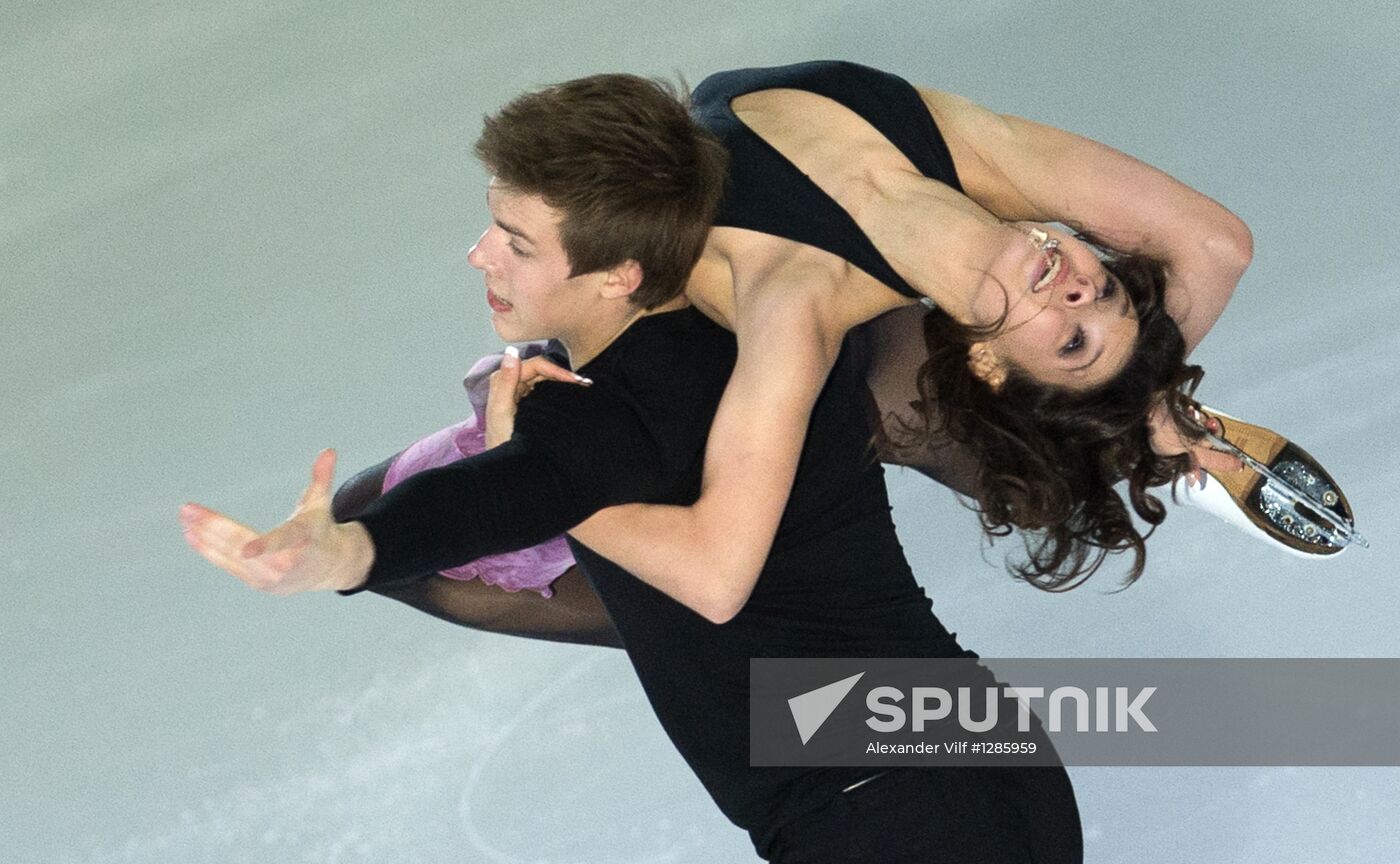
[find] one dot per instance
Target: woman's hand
(308, 552)
(1168, 440)
(510, 383)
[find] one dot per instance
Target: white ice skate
(1281, 495)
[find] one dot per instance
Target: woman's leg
(574, 614)
(355, 494)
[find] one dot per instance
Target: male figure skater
(581, 249)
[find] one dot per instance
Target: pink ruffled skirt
(534, 568)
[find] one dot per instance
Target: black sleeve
(574, 614)
(575, 451)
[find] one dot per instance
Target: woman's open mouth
(1051, 274)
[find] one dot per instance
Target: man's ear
(622, 280)
(982, 359)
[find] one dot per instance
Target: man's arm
(575, 614)
(575, 451)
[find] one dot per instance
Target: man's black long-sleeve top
(836, 583)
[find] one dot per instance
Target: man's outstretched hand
(308, 552)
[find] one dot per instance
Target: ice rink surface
(234, 233)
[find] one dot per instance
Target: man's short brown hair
(620, 156)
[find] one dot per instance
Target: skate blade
(1282, 490)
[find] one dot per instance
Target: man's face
(528, 286)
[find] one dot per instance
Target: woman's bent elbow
(1232, 244)
(721, 611)
(731, 594)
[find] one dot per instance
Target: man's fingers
(212, 527)
(245, 571)
(191, 512)
(234, 566)
(288, 535)
(261, 573)
(323, 469)
(318, 492)
(219, 540)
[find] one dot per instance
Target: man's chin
(510, 332)
(502, 328)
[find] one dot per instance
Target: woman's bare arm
(713, 551)
(708, 556)
(1023, 170)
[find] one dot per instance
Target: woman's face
(1069, 322)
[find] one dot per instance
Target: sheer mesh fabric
(892, 350)
(574, 614)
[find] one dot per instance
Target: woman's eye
(1074, 344)
(516, 250)
(1109, 288)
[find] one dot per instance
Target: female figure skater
(1055, 367)
(839, 554)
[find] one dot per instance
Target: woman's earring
(986, 366)
(1041, 240)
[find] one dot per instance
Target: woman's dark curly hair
(1049, 457)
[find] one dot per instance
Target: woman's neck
(941, 242)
